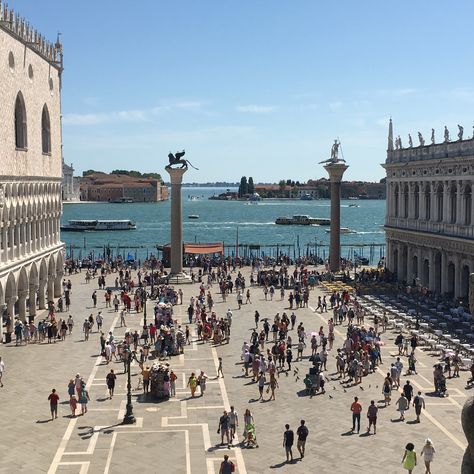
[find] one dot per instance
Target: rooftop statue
(446, 134)
(432, 136)
(334, 154)
(177, 159)
(422, 140)
(410, 141)
(461, 132)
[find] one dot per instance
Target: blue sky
(256, 87)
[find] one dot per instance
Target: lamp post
(144, 305)
(128, 418)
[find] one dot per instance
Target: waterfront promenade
(179, 435)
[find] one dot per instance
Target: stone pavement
(179, 436)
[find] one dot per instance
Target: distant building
(429, 221)
(114, 187)
(71, 186)
(31, 253)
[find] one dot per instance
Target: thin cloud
(336, 105)
(396, 92)
(256, 109)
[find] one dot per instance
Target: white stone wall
(37, 92)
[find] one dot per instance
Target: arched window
(20, 122)
(416, 196)
(440, 203)
(396, 197)
(453, 203)
(467, 204)
(428, 202)
(405, 201)
(45, 131)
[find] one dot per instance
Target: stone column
(409, 264)
(176, 274)
(444, 273)
(335, 171)
(32, 300)
(41, 295)
(51, 287)
(432, 285)
(22, 304)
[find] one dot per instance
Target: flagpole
(237, 243)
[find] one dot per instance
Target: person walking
(202, 377)
(110, 380)
(261, 384)
(192, 384)
(409, 458)
(53, 403)
(227, 467)
(372, 416)
(73, 405)
(428, 452)
(2, 371)
(418, 403)
(272, 386)
(233, 422)
(173, 378)
(356, 409)
(302, 433)
(288, 439)
(84, 399)
(223, 428)
(220, 372)
(402, 403)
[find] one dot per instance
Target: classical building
(31, 253)
(71, 185)
(430, 217)
(114, 187)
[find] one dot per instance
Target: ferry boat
(193, 216)
(97, 225)
(302, 220)
(344, 230)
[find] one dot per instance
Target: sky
(258, 88)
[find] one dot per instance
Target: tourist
(173, 378)
(387, 390)
(302, 433)
(122, 318)
(409, 458)
(84, 399)
(418, 403)
(239, 299)
(288, 438)
(94, 298)
(71, 388)
(53, 403)
(261, 384)
(428, 452)
(233, 422)
(223, 428)
(146, 379)
(356, 409)
(220, 371)
(408, 392)
(99, 319)
(273, 384)
(192, 384)
(78, 383)
(202, 377)
(2, 371)
(70, 324)
(372, 416)
(227, 467)
(403, 404)
(73, 405)
(110, 380)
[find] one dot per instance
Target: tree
(250, 187)
(88, 172)
(243, 188)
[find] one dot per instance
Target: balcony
(432, 227)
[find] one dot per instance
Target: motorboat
(193, 216)
(82, 225)
(344, 230)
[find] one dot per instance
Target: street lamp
(153, 263)
(129, 355)
(144, 305)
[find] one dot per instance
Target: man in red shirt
(356, 409)
(53, 402)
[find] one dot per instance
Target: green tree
(250, 186)
(88, 172)
(244, 187)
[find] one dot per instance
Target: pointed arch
(21, 140)
(45, 131)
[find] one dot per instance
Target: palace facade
(31, 253)
(430, 216)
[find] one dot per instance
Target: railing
(444, 228)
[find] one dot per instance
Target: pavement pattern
(180, 435)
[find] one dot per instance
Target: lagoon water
(219, 220)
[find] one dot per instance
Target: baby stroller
(250, 440)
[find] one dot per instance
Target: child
(73, 405)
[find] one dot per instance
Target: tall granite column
(176, 274)
(335, 171)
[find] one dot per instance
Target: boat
(255, 197)
(97, 225)
(193, 216)
(344, 230)
(123, 200)
(306, 197)
(354, 205)
(302, 220)
(353, 198)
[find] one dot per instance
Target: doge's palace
(31, 253)
(430, 217)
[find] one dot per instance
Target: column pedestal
(177, 276)
(335, 171)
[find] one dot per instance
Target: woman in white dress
(428, 453)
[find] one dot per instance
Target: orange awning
(217, 247)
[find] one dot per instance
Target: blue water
(219, 221)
